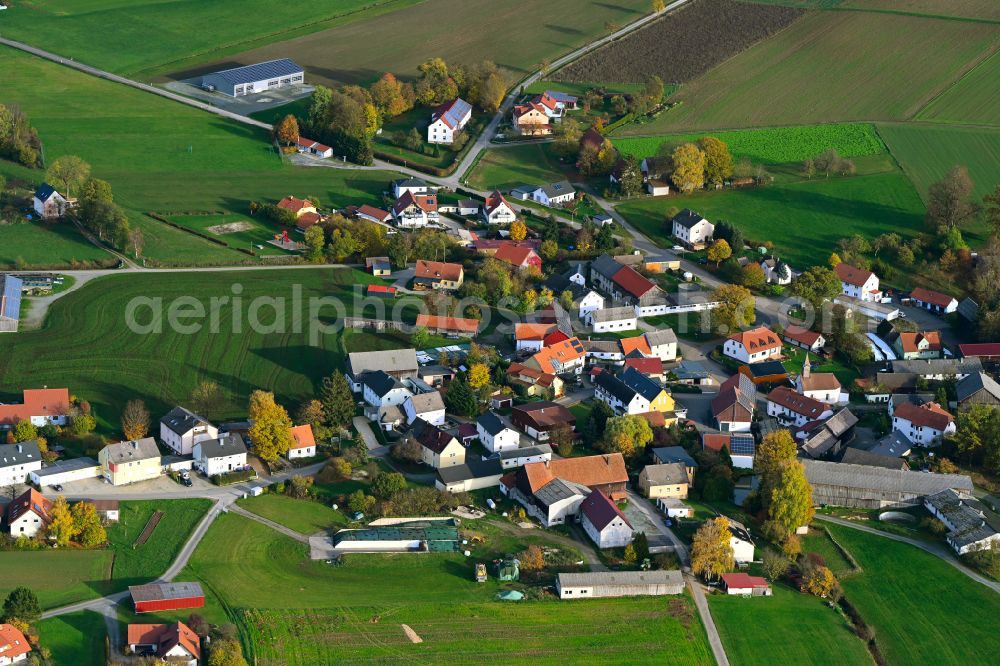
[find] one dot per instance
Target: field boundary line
(901, 12)
(955, 83)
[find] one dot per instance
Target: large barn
(867, 487)
(594, 584)
(250, 79)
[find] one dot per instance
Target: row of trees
(18, 139)
(96, 209)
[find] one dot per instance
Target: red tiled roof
(302, 436)
(910, 342)
(715, 441)
(516, 256)
(524, 373)
(601, 511)
(372, 211)
(587, 471)
(425, 202)
(742, 581)
(629, 280)
(12, 643)
(532, 331)
(36, 402)
(494, 200)
(546, 101)
(294, 204)
(932, 297)
(654, 419)
(638, 342)
(980, 349)
(30, 500)
(307, 220)
(801, 335)
(564, 352)
(785, 397)
(759, 339)
(554, 337)
(381, 289)
(928, 415)
(523, 109)
(543, 415)
(165, 637)
(438, 270)
(647, 366)
(454, 324)
(314, 145)
(851, 275)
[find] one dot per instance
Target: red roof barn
(166, 596)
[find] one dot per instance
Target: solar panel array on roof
(261, 71)
(741, 445)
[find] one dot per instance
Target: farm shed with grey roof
(597, 584)
(971, 526)
(939, 366)
(855, 456)
(260, 77)
(612, 314)
(400, 363)
(866, 487)
(977, 388)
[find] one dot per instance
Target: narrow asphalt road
(939, 550)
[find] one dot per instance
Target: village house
(741, 446)
(647, 367)
(448, 120)
(795, 409)
(602, 584)
(27, 514)
(923, 424)
(411, 185)
(664, 455)
(933, 301)
(48, 203)
(530, 336)
(745, 585)
(828, 437)
(553, 194)
(315, 148)
(399, 363)
(693, 373)
(378, 266)
(130, 462)
(664, 480)
(412, 211)
(381, 389)
(181, 428)
(868, 487)
(303, 442)
(40, 406)
(911, 346)
(259, 77)
(518, 257)
(18, 461)
(426, 406)
(977, 389)
(765, 372)
(108, 510)
(437, 447)
(559, 358)
(539, 419)
(14, 647)
(533, 382)
(622, 399)
(296, 206)
(497, 210)
(803, 338)
(474, 474)
(495, 434)
(553, 491)
(734, 406)
(525, 455)
(657, 397)
(438, 275)
(971, 526)
(858, 283)
(758, 344)
(221, 455)
(741, 542)
(372, 214)
(174, 643)
(775, 271)
(692, 229)
(531, 119)
(453, 327)
(604, 522)
(612, 319)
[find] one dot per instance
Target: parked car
(57, 487)
(186, 481)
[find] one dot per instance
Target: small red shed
(166, 596)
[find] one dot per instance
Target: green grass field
(257, 231)
(75, 638)
(456, 30)
(42, 245)
(927, 152)
(85, 344)
(810, 631)
(831, 67)
(140, 564)
(972, 99)
(922, 610)
(505, 168)
(819, 542)
(323, 614)
(83, 574)
(143, 37)
(774, 145)
(804, 218)
(303, 516)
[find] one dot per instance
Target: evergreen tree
(337, 399)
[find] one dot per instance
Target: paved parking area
(241, 105)
(658, 542)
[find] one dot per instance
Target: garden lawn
(832, 67)
(818, 541)
(140, 564)
(772, 145)
(260, 231)
(506, 168)
(516, 35)
(803, 630)
(794, 360)
(75, 638)
(82, 574)
(86, 345)
(44, 245)
(303, 516)
(804, 218)
(141, 37)
(922, 610)
(303, 612)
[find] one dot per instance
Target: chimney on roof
(20, 448)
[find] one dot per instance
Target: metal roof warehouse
(249, 79)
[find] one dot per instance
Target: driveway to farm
(937, 549)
